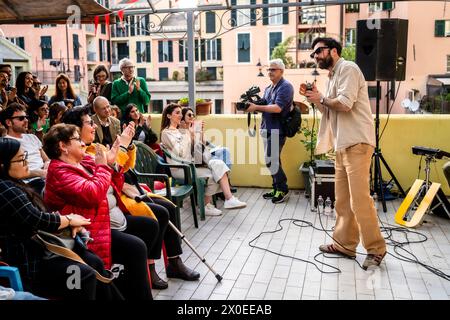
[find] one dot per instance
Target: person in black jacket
(22, 213)
(144, 132)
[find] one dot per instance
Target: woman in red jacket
(78, 183)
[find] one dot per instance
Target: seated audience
(101, 86)
(144, 132)
(179, 142)
(123, 203)
(64, 92)
(15, 120)
(38, 113)
(115, 112)
(24, 85)
(56, 112)
(22, 213)
(108, 127)
(39, 91)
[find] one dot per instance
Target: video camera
(251, 95)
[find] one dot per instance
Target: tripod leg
(218, 276)
(380, 181)
(392, 175)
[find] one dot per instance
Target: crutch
(143, 197)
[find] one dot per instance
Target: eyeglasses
(23, 160)
(20, 118)
(190, 115)
(76, 138)
(318, 51)
(101, 76)
(272, 69)
(89, 122)
(128, 67)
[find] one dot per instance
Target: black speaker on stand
(381, 54)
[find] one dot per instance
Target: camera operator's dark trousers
(273, 144)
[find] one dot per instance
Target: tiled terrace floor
(250, 273)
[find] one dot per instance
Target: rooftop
(252, 273)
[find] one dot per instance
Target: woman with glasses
(180, 143)
(144, 132)
(100, 86)
(39, 91)
(87, 189)
(64, 92)
(22, 213)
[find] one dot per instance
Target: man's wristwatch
(322, 100)
(69, 218)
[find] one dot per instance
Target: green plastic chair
(147, 162)
(198, 183)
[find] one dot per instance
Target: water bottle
(375, 200)
(320, 204)
(328, 209)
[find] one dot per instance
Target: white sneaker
(210, 210)
(234, 203)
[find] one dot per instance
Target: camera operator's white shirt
(340, 129)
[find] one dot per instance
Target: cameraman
(278, 97)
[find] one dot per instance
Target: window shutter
(138, 52)
(253, 14)
(203, 50)
(233, 15)
(160, 51)
(210, 22)
(181, 50)
(439, 28)
(285, 13)
(219, 49)
(265, 13)
(388, 5)
(21, 42)
(170, 51)
(148, 52)
(100, 46)
(108, 47)
(196, 49)
(132, 26)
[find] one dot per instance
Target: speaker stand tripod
(377, 156)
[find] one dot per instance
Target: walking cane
(202, 259)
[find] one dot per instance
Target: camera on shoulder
(251, 95)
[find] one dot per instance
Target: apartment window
(18, 41)
(442, 28)
(274, 39)
(213, 73)
(140, 25)
(143, 52)
(163, 74)
(218, 106)
(157, 106)
(165, 51)
(448, 63)
(354, 7)
(103, 28)
(210, 22)
(46, 47)
(142, 72)
(350, 36)
(243, 47)
(76, 47)
(315, 15)
(373, 92)
(276, 14)
(381, 6)
(243, 15)
(213, 50)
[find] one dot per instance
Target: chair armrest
(165, 177)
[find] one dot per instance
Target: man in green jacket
(130, 89)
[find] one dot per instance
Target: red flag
(107, 22)
(120, 15)
(96, 20)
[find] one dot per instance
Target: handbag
(62, 244)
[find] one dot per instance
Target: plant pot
(203, 109)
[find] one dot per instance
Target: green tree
(349, 53)
(280, 52)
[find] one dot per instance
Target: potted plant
(202, 106)
(309, 142)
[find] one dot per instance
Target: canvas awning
(48, 11)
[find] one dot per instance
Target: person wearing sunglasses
(15, 120)
(279, 98)
(38, 89)
(347, 127)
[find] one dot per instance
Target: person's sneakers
(330, 248)
(234, 203)
(177, 269)
(373, 260)
(210, 210)
(269, 195)
(280, 197)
